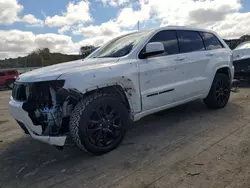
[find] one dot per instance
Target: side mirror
(153, 48)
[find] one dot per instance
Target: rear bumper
(27, 125)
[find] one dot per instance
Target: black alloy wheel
(104, 125)
(219, 93)
(98, 123)
(222, 92)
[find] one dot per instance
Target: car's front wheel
(98, 123)
(219, 93)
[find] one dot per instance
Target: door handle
(210, 54)
(179, 58)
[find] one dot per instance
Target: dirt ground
(187, 146)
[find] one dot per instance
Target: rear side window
(190, 41)
(11, 73)
(211, 41)
(2, 74)
(169, 40)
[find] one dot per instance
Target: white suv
(92, 101)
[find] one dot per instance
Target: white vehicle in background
(241, 61)
(92, 101)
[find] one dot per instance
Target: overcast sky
(63, 26)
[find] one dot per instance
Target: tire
(219, 93)
(89, 124)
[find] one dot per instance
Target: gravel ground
(187, 146)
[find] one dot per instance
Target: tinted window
(190, 41)
(211, 42)
(169, 40)
(2, 74)
(11, 72)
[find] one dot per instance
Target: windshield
(121, 46)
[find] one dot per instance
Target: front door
(158, 74)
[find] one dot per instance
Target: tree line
(43, 57)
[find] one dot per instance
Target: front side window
(169, 40)
(211, 42)
(2, 74)
(121, 46)
(190, 41)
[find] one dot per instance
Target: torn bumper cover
(35, 131)
(43, 109)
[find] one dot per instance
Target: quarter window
(211, 42)
(190, 41)
(169, 40)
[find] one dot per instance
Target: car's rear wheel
(98, 123)
(219, 93)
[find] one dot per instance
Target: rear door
(216, 52)
(193, 79)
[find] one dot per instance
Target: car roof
(178, 28)
(184, 28)
(153, 30)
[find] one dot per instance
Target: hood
(240, 54)
(242, 51)
(54, 71)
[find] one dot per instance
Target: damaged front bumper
(43, 109)
(242, 69)
(35, 131)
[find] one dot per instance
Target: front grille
(19, 92)
(242, 65)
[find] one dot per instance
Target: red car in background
(8, 77)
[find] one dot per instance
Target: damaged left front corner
(49, 105)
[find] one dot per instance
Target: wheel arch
(224, 69)
(126, 89)
(111, 88)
